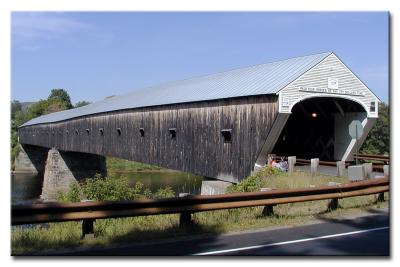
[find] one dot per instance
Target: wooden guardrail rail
(384, 159)
(321, 162)
(363, 157)
(375, 159)
(90, 211)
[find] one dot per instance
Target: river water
(26, 187)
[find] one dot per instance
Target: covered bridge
(221, 125)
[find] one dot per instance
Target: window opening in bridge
(227, 135)
(87, 131)
(141, 131)
(172, 132)
(119, 131)
(101, 131)
(67, 132)
(52, 133)
(76, 132)
(372, 107)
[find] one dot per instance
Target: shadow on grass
(172, 241)
(28, 239)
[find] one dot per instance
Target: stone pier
(211, 186)
(64, 168)
(30, 159)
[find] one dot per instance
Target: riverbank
(122, 230)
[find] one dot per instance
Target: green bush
(112, 189)
(255, 181)
(74, 194)
(164, 193)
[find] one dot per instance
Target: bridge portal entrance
(318, 128)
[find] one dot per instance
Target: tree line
(57, 100)
(378, 139)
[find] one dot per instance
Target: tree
(58, 100)
(81, 104)
(15, 106)
(61, 97)
(378, 139)
(55, 106)
(37, 109)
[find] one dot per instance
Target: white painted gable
(329, 78)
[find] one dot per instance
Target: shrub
(254, 182)
(115, 188)
(74, 194)
(112, 189)
(164, 193)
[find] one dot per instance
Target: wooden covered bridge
(222, 125)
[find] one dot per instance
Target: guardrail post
(386, 170)
(367, 170)
(291, 163)
(341, 166)
(333, 204)
(185, 218)
(380, 197)
(268, 210)
(87, 229)
(314, 166)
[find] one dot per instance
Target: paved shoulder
(368, 235)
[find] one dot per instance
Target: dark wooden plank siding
(198, 148)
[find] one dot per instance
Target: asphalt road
(367, 235)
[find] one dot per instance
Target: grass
(122, 230)
(121, 165)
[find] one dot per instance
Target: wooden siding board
(198, 148)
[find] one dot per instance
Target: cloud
(28, 28)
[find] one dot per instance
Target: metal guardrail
(90, 211)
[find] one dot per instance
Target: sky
(98, 54)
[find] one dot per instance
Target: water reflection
(179, 182)
(26, 187)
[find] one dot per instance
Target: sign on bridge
(356, 129)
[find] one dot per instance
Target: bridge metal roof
(261, 79)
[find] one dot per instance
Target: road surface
(367, 235)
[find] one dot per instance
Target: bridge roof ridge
(266, 78)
